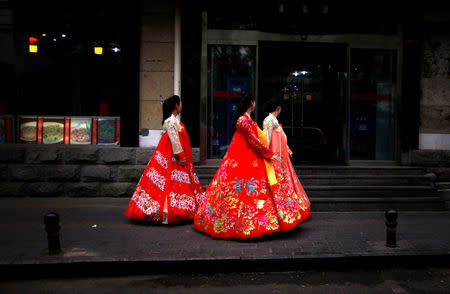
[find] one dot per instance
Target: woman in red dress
(239, 202)
(169, 189)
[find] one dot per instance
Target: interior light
(98, 50)
(115, 49)
(33, 48)
(297, 73)
(32, 40)
(63, 35)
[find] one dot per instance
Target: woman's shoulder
(270, 121)
(171, 121)
(243, 117)
(244, 121)
(267, 119)
(168, 120)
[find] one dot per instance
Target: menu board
(106, 131)
(53, 130)
(80, 130)
(28, 129)
(6, 129)
(61, 130)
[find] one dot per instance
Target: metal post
(51, 221)
(391, 228)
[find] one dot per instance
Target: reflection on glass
(232, 70)
(372, 125)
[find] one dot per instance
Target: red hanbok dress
(290, 195)
(167, 191)
(239, 202)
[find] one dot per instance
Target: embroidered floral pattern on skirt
(156, 178)
(180, 176)
(161, 159)
(167, 186)
(238, 203)
(149, 206)
(182, 201)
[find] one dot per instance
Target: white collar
(273, 117)
(248, 114)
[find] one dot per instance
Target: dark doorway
(311, 79)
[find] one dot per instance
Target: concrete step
(359, 180)
(327, 191)
(370, 191)
(361, 188)
(374, 203)
(337, 170)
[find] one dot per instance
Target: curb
(121, 267)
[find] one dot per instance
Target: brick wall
(78, 171)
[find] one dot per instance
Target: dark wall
(65, 77)
(409, 114)
(191, 42)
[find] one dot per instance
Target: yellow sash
(269, 166)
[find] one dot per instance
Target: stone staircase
(348, 188)
(29, 170)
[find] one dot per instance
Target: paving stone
(63, 172)
(10, 189)
(430, 158)
(130, 173)
(95, 173)
(12, 153)
(3, 172)
(26, 172)
(117, 155)
(43, 154)
(143, 155)
(83, 154)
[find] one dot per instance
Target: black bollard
(391, 228)
(51, 221)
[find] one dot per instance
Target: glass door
(231, 71)
(372, 96)
(311, 80)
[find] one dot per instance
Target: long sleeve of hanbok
(272, 131)
(171, 128)
(275, 144)
(246, 127)
(268, 132)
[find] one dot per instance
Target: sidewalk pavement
(97, 239)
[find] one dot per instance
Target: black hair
(272, 105)
(244, 103)
(169, 105)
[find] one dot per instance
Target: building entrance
(311, 80)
